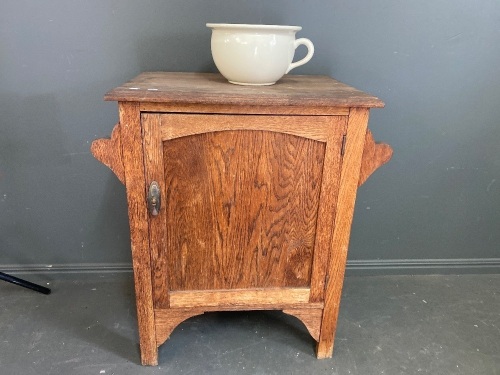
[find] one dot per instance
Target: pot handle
(310, 51)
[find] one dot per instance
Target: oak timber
(257, 188)
(154, 171)
(243, 109)
(109, 152)
(239, 297)
(213, 89)
(374, 156)
(242, 209)
(328, 205)
(133, 162)
(182, 125)
(167, 320)
(349, 177)
(311, 319)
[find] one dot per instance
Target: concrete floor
(387, 325)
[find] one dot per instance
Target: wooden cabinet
(240, 198)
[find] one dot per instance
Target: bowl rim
(246, 26)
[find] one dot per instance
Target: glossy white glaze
(256, 54)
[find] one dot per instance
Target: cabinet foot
(324, 350)
(151, 358)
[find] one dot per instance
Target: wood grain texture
(154, 171)
(109, 152)
(133, 161)
(349, 177)
(168, 319)
(374, 156)
(241, 209)
(239, 297)
(182, 125)
(258, 188)
(327, 208)
(311, 318)
(248, 109)
(213, 89)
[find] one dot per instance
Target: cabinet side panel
(133, 163)
(349, 177)
(241, 209)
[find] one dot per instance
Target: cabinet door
(247, 204)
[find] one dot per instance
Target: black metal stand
(24, 283)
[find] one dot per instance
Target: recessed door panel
(239, 208)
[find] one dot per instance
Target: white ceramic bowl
(256, 54)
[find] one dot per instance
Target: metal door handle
(154, 198)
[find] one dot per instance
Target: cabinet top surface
(212, 88)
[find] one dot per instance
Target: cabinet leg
(324, 348)
(147, 331)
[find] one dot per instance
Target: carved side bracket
(109, 152)
(374, 156)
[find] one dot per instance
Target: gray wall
(436, 64)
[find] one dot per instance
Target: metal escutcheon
(154, 198)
